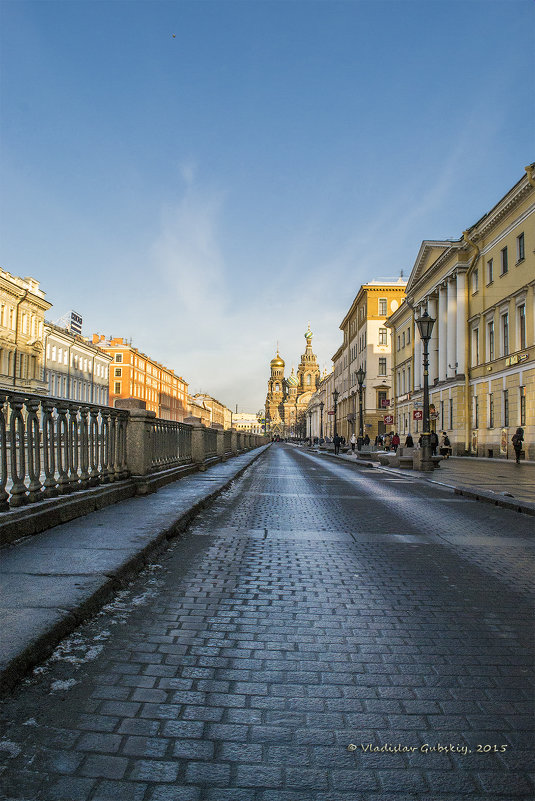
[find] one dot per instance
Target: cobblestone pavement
(319, 634)
(498, 475)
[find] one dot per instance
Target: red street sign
(417, 414)
(330, 412)
(389, 419)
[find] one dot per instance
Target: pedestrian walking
(353, 442)
(387, 442)
(366, 440)
(337, 441)
(517, 440)
(445, 446)
(409, 442)
(378, 441)
(395, 442)
(434, 443)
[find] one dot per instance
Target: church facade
(287, 398)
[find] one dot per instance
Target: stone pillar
(234, 442)
(418, 367)
(139, 446)
(461, 323)
(442, 334)
(433, 343)
(197, 444)
(452, 328)
(221, 445)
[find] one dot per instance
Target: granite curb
(485, 496)
(44, 600)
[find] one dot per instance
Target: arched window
(277, 387)
(308, 379)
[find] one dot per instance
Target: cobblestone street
(320, 633)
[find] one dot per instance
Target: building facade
(287, 398)
(366, 344)
(75, 369)
(22, 318)
(133, 374)
(480, 289)
(220, 415)
(247, 422)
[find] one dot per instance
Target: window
(490, 331)
(476, 412)
(382, 307)
(520, 249)
(53, 353)
(403, 384)
(118, 357)
(451, 413)
(522, 326)
(490, 271)
(408, 379)
(381, 399)
(442, 421)
(308, 380)
(475, 281)
(475, 347)
(382, 365)
(505, 334)
(118, 372)
(277, 387)
(408, 336)
(491, 410)
(522, 406)
(504, 261)
(399, 341)
(506, 407)
(117, 388)
(403, 340)
(382, 336)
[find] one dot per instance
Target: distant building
(75, 369)
(199, 410)
(244, 421)
(22, 316)
(220, 415)
(133, 374)
(368, 344)
(287, 398)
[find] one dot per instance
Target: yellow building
(481, 291)
(22, 317)
(367, 344)
(220, 415)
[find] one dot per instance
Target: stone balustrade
(57, 454)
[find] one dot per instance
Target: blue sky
(209, 194)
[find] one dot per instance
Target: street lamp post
(322, 406)
(335, 399)
(425, 327)
(361, 374)
(310, 425)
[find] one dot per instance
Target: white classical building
(75, 369)
(245, 421)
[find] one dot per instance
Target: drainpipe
(473, 263)
(17, 305)
(530, 169)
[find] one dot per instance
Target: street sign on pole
(389, 419)
(417, 414)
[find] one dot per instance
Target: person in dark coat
(434, 443)
(517, 440)
(395, 442)
(366, 440)
(409, 442)
(337, 442)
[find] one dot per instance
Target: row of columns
(447, 347)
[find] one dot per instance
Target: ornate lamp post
(322, 406)
(361, 374)
(425, 327)
(335, 399)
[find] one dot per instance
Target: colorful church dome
(292, 379)
(308, 334)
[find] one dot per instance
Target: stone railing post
(234, 443)
(139, 447)
(221, 445)
(197, 443)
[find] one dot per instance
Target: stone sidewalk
(498, 481)
(54, 580)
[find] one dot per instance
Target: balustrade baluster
(49, 449)
(112, 465)
(33, 441)
(105, 446)
(4, 495)
(84, 447)
(122, 422)
(74, 443)
(18, 461)
(93, 447)
(62, 442)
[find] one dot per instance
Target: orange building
(135, 375)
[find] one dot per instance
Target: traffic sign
(417, 414)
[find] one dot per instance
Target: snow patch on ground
(13, 749)
(58, 685)
(30, 722)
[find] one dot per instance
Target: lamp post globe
(425, 327)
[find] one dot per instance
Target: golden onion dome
(277, 361)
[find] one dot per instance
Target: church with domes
(287, 398)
